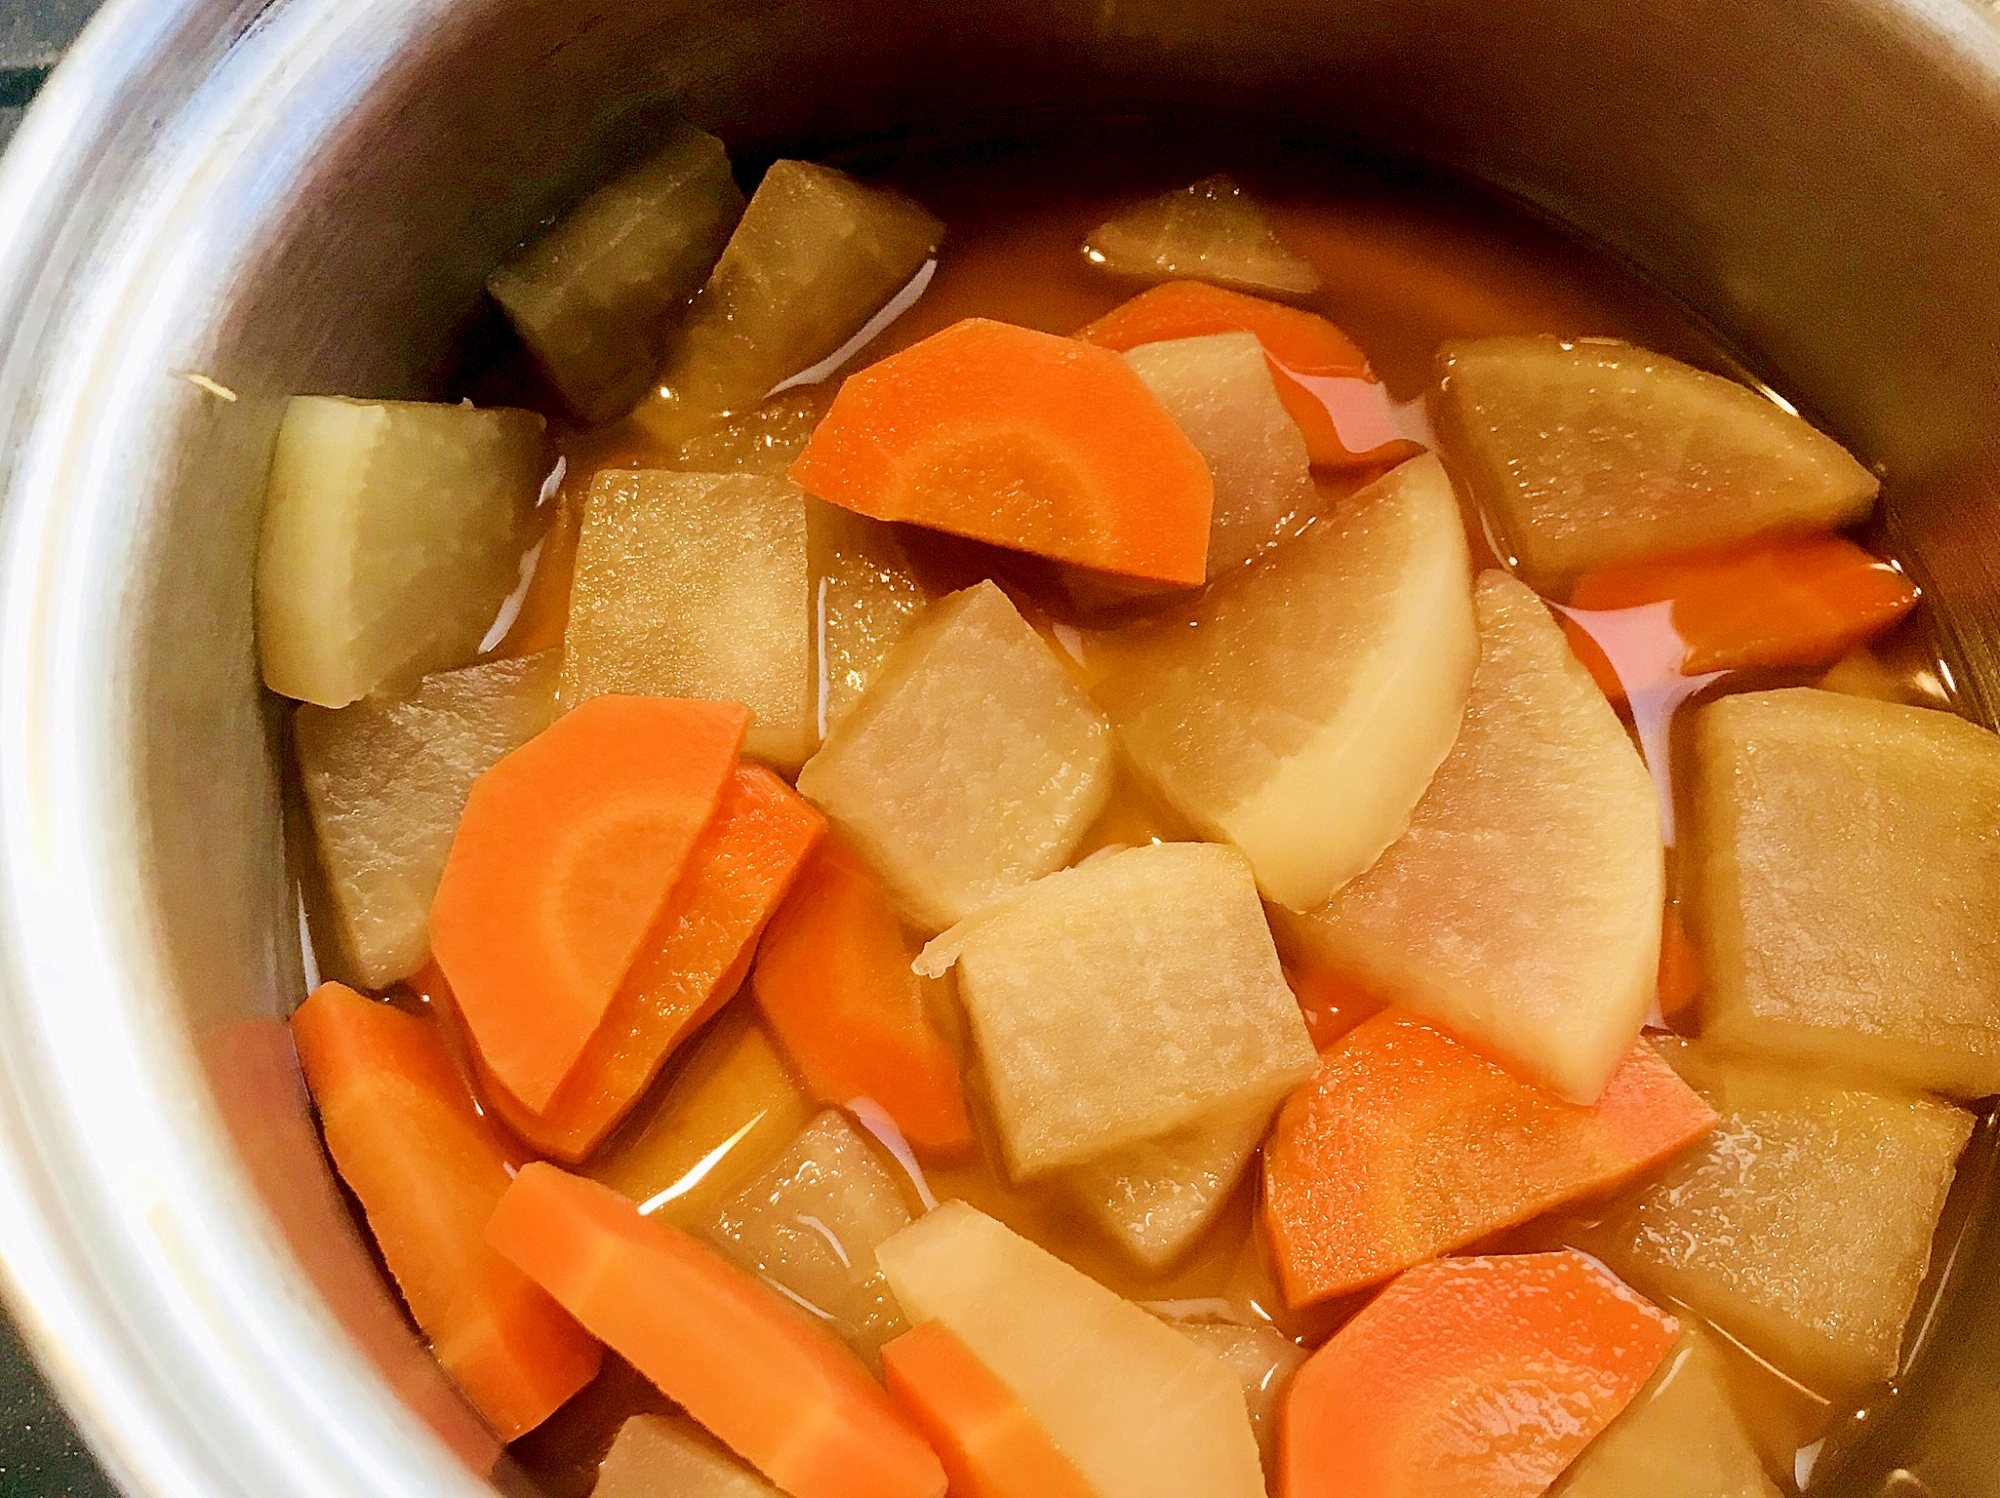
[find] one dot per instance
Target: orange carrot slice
(833, 979)
(991, 1446)
(429, 1169)
(1407, 1144)
(1022, 439)
(1789, 601)
(1468, 1378)
(771, 1383)
(565, 853)
(692, 961)
(1322, 378)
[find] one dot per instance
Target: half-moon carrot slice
(429, 1170)
(1022, 439)
(1469, 1378)
(565, 853)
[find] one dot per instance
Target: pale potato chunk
(1522, 907)
(1218, 390)
(1115, 1002)
(1300, 706)
(811, 1224)
(1592, 452)
(1262, 1358)
(1681, 1438)
(1802, 1225)
(867, 598)
(669, 1456)
(1210, 231)
(972, 765)
(393, 531)
(1155, 1198)
(591, 297)
(815, 255)
(720, 1117)
(697, 585)
(1848, 893)
(1141, 1410)
(385, 783)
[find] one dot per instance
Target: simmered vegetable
(593, 295)
(429, 1170)
(1591, 453)
(777, 1388)
(1155, 1198)
(385, 782)
(692, 960)
(814, 256)
(567, 850)
(1849, 903)
(696, 585)
(867, 598)
(811, 1224)
(393, 530)
(1522, 906)
(1476, 1377)
(1039, 443)
(1802, 1227)
(1407, 1145)
(659, 1454)
(1218, 390)
(972, 765)
(1299, 709)
(1211, 231)
(1263, 1360)
(834, 983)
(1134, 995)
(1170, 1424)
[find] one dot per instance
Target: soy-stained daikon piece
(972, 765)
(592, 296)
(1299, 708)
(1848, 904)
(385, 782)
(1522, 907)
(393, 531)
(815, 255)
(811, 1224)
(1219, 390)
(1262, 1358)
(1802, 1227)
(696, 585)
(764, 439)
(1589, 452)
(867, 599)
(655, 1455)
(1140, 1410)
(1115, 1002)
(1681, 1438)
(1210, 231)
(1155, 1198)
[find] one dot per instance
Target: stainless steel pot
(289, 195)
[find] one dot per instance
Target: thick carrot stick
(991, 1445)
(768, 1381)
(1322, 378)
(1022, 439)
(1477, 1378)
(833, 979)
(1407, 1144)
(691, 962)
(1789, 601)
(429, 1169)
(567, 849)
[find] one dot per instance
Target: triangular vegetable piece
(1210, 231)
(656, 1455)
(1300, 706)
(1592, 452)
(773, 1384)
(1522, 907)
(1407, 1144)
(566, 852)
